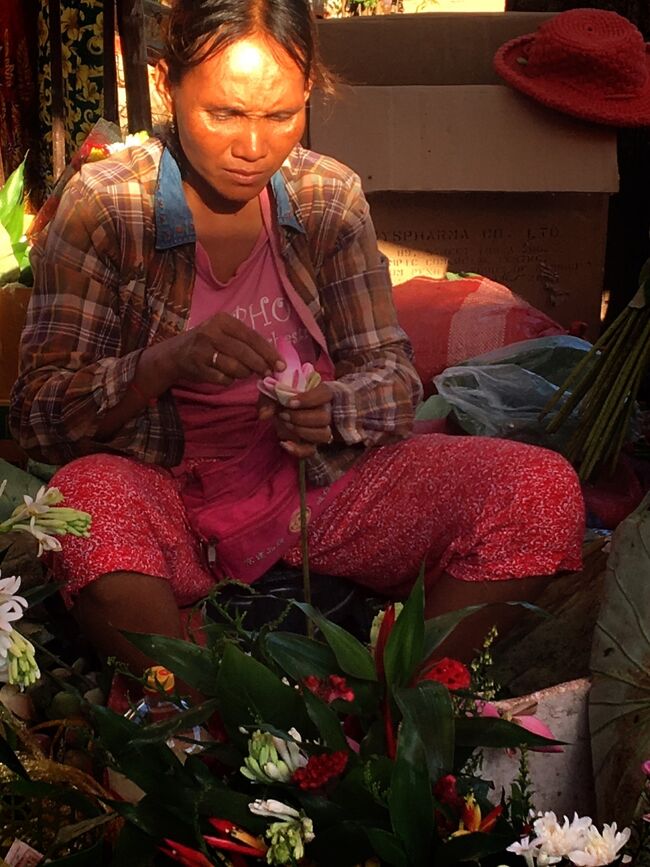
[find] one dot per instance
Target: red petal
(184, 855)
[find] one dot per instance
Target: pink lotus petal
(288, 352)
(486, 709)
(645, 768)
(537, 727)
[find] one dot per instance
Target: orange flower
(471, 819)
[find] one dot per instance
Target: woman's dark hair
(197, 29)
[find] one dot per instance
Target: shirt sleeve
(376, 388)
(70, 369)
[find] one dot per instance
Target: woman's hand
(221, 350)
(305, 424)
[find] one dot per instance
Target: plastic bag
(502, 393)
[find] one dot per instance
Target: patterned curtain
(82, 23)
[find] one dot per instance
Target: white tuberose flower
(273, 809)
(11, 606)
(46, 542)
(41, 503)
(600, 849)
(526, 850)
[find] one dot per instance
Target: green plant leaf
(189, 662)
(438, 628)
(251, 694)
(69, 833)
(87, 858)
(470, 847)
(403, 651)
(428, 708)
(387, 846)
(344, 844)
(11, 203)
(489, 732)
(133, 847)
(159, 732)
(352, 656)
(326, 721)
(619, 700)
(410, 801)
(36, 595)
(9, 758)
(299, 656)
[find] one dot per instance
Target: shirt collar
(174, 224)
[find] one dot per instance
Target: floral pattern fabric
(82, 45)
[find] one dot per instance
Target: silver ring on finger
(215, 355)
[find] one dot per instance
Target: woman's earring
(172, 126)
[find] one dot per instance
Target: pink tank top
(239, 486)
(218, 422)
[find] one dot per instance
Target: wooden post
(130, 21)
(111, 111)
(58, 108)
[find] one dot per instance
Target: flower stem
(304, 543)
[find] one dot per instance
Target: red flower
(235, 839)
(331, 689)
(184, 855)
(446, 792)
(451, 673)
(320, 769)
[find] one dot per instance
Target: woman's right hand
(221, 350)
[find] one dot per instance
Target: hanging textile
(82, 45)
(17, 83)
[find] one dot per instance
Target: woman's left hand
(303, 425)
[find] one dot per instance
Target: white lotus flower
(11, 606)
(601, 848)
(557, 840)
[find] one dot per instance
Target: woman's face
(238, 115)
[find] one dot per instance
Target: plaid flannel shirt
(113, 274)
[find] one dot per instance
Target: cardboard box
(462, 167)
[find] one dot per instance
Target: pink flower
(293, 380)
(645, 768)
(527, 722)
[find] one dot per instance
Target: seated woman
(163, 286)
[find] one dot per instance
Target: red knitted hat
(585, 62)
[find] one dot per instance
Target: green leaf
(299, 656)
(387, 847)
(326, 721)
(160, 732)
(499, 733)
(11, 203)
(251, 694)
(410, 801)
(403, 651)
(428, 708)
(438, 628)
(9, 264)
(39, 593)
(133, 847)
(87, 858)
(191, 663)
(344, 844)
(619, 699)
(9, 758)
(69, 833)
(352, 656)
(228, 804)
(471, 847)
(153, 767)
